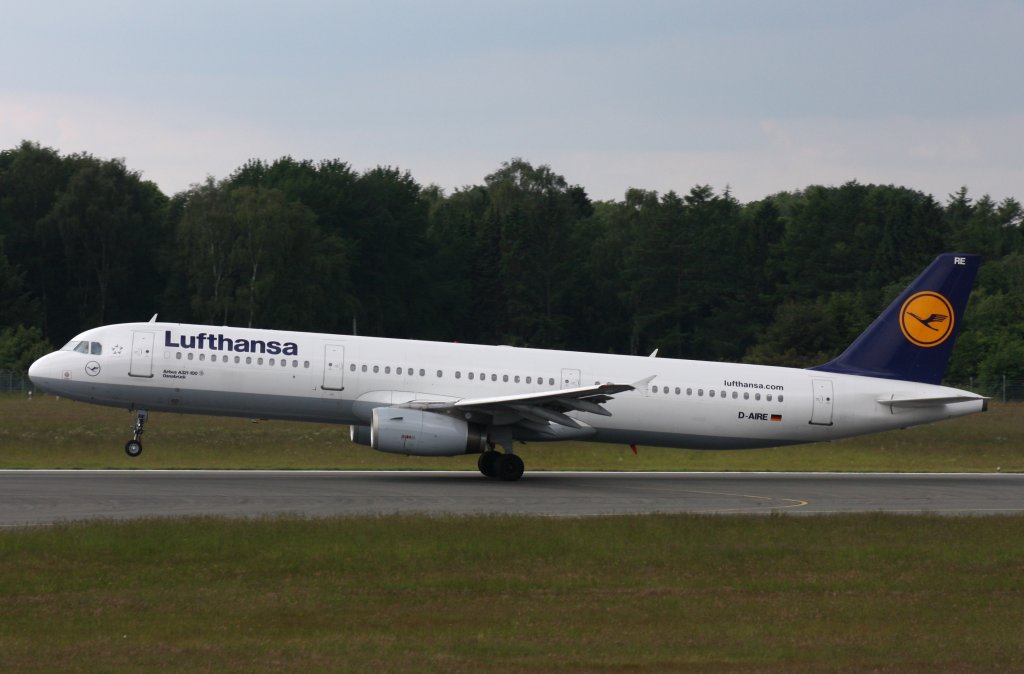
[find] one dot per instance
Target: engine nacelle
(359, 435)
(416, 432)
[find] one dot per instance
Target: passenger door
(142, 355)
(821, 410)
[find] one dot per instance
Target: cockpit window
(95, 348)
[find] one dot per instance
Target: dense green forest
(523, 258)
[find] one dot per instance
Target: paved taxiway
(40, 497)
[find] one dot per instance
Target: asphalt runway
(43, 497)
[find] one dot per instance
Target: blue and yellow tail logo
(926, 319)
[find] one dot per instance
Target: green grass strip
(516, 594)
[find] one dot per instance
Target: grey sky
(759, 96)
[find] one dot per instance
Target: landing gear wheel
(134, 447)
(509, 467)
(488, 463)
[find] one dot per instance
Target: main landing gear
(507, 467)
(134, 447)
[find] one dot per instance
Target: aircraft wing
(541, 407)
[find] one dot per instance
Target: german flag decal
(776, 417)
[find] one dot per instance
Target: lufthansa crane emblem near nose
(92, 368)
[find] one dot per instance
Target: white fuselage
(341, 379)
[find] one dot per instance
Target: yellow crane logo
(926, 319)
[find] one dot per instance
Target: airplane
(445, 399)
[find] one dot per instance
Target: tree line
(523, 258)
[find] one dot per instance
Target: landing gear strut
(507, 467)
(134, 447)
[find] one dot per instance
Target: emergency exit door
(570, 378)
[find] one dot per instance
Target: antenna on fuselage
(153, 320)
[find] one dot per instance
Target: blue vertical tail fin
(913, 338)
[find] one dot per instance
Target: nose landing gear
(134, 447)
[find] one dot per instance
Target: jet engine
(416, 432)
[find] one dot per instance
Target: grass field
(615, 594)
(50, 433)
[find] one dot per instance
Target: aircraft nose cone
(34, 370)
(40, 371)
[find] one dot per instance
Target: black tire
(509, 467)
(487, 463)
(133, 448)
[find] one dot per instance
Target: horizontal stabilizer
(898, 400)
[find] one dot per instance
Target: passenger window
(678, 390)
(376, 369)
(259, 361)
(237, 360)
(248, 360)
(352, 367)
(177, 355)
(191, 355)
(735, 395)
(364, 368)
(305, 364)
(768, 397)
(780, 397)
(504, 378)
(757, 396)
(746, 395)
(494, 377)
(458, 375)
(689, 391)
(387, 370)
(440, 373)
(284, 362)
(529, 380)
(517, 379)
(700, 392)
(398, 370)
(470, 375)
(271, 361)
